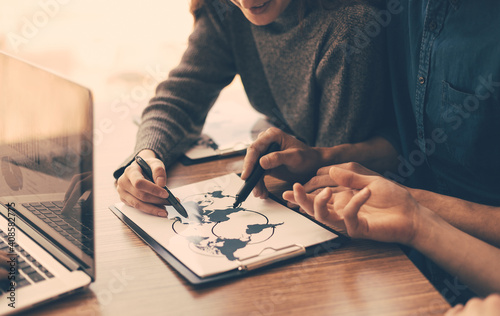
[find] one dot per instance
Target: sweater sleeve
(175, 116)
(353, 76)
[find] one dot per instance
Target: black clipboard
(295, 231)
(266, 258)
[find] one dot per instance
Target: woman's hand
(294, 162)
(138, 192)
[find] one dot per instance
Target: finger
(272, 160)
(323, 170)
(492, 304)
(159, 172)
(124, 186)
(139, 183)
(289, 157)
(357, 168)
(319, 182)
(351, 211)
(341, 199)
(350, 178)
(148, 208)
(324, 211)
(494, 299)
(75, 180)
(289, 196)
(455, 310)
(79, 184)
(249, 161)
(336, 190)
(321, 211)
(70, 202)
(474, 306)
(304, 201)
(258, 148)
(254, 152)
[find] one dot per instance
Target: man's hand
(371, 206)
(323, 179)
(138, 192)
(294, 162)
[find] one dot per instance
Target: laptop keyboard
(28, 270)
(71, 228)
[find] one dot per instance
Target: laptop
(46, 185)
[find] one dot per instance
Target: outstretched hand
(322, 178)
(370, 207)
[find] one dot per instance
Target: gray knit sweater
(300, 72)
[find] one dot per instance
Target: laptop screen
(46, 156)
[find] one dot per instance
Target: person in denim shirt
(444, 60)
(445, 67)
(445, 64)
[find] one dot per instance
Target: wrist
(376, 154)
(426, 224)
(335, 155)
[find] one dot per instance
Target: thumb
(272, 160)
(159, 173)
(350, 179)
(286, 157)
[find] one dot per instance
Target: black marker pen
(254, 177)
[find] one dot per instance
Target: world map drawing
(216, 229)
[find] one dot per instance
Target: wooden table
(362, 278)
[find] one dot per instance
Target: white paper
(216, 236)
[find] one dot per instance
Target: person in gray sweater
(315, 68)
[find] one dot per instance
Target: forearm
(376, 154)
(480, 221)
(474, 262)
(168, 132)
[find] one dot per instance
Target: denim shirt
(445, 74)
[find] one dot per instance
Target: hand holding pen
(148, 174)
(294, 161)
(255, 176)
(136, 191)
